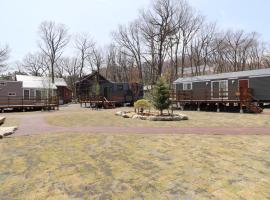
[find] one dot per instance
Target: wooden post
(241, 108)
(199, 108)
(22, 105)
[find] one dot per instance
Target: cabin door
(106, 92)
(243, 88)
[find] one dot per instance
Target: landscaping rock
(184, 117)
(141, 117)
(6, 131)
(2, 120)
(125, 116)
(165, 118)
(119, 113)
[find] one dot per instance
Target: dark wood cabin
(245, 90)
(97, 85)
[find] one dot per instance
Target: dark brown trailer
(245, 89)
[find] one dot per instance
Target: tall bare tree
(160, 20)
(83, 45)
(35, 64)
(4, 55)
(96, 59)
(54, 38)
(129, 38)
(71, 68)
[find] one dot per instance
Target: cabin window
(120, 87)
(223, 88)
(3, 83)
(26, 94)
(187, 86)
(12, 94)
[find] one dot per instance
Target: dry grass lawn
(11, 121)
(84, 166)
(90, 118)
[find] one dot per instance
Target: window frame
(24, 95)
(185, 86)
(120, 87)
(12, 94)
(3, 83)
(219, 84)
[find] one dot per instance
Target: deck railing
(10, 101)
(202, 95)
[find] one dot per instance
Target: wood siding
(203, 90)
(260, 87)
(11, 86)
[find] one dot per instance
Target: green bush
(142, 105)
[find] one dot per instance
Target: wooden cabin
(96, 85)
(246, 90)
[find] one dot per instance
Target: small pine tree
(160, 96)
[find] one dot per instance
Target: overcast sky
(19, 19)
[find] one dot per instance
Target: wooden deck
(22, 104)
(242, 99)
(97, 102)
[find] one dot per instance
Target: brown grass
(90, 118)
(11, 121)
(83, 166)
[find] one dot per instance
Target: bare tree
(96, 59)
(83, 45)
(4, 55)
(129, 39)
(71, 68)
(35, 64)
(54, 38)
(159, 21)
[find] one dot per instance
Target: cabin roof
(232, 75)
(93, 74)
(40, 82)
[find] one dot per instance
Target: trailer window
(223, 88)
(120, 87)
(11, 94)
(187, 86)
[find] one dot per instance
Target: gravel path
(35, 124)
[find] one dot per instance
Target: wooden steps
(253, 108)
(108, 104)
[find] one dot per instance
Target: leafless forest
(170, 38)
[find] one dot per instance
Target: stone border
(133, 115)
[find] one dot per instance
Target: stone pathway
(35, 124)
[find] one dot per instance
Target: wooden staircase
(108, 104)
(249, 102)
